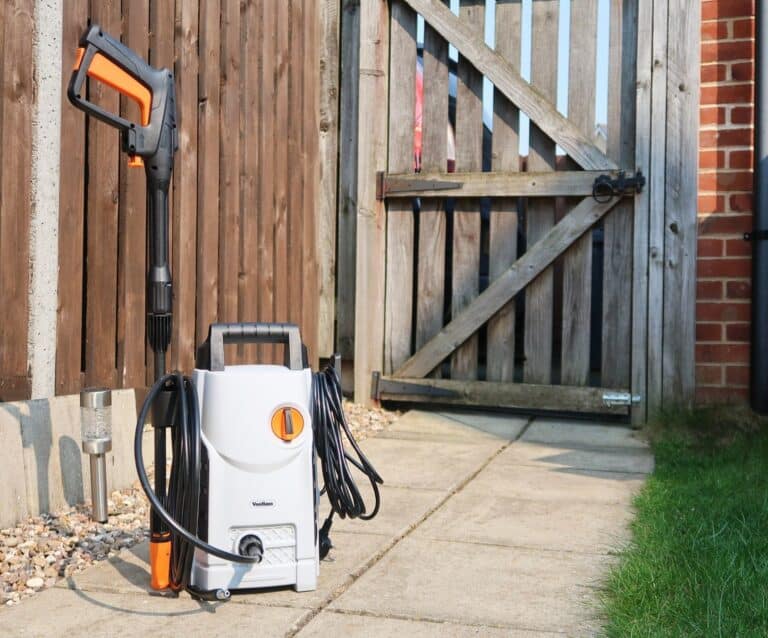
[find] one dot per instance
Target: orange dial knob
(287, 423)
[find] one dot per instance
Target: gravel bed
(41, 550)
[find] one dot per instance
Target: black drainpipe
(759, 363)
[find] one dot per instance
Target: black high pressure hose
(182, 503)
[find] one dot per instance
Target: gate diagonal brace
(606, 187)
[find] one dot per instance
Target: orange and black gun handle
(150, 143)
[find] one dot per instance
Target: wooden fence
(16, 101)
(244, 193)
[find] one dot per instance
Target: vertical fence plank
(430, 299)
(641, 234)
(399, 277)
(371, 213)
(208, 166)
(329, 164)
(132, 234)
(69, 327)
(540, 215)
(681, 202)
(311, 175)
(577, 263)
(229, 162)
(101, 236)
(617, 269)
(502, 247)
(184, 230)
(348, 160)
(466, 219)
(268, 171)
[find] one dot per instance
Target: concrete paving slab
(75, 613)
(401, 508)
(627, 460)
(481, 584)
(128, 573)
(330, 623)
(432, 426)
(433, 465)
(575, 433)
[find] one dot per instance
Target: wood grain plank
(641, 226)
(681, 203)
(184, 227)
(502, 249)
(540, 216)
(69, 324)
(268, 173)
(208, 165)
(311, 172)
(371, 213)
(348, 160)
(430, 299)
(229, 163)
(577, 262)
(102, 210)
(529, 99)
(617, 261)
(329, 169)
(535, 260)
(398, 306)
(466, 220)
(132, 233)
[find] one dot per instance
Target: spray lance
(180, 554)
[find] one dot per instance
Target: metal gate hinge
(606, 188)
(756, 235)
(614, 399)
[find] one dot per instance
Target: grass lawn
(698, 562)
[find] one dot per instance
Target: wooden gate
(509, 284)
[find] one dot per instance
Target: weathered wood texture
(244, 196)
(16, 107)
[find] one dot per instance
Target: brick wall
(725, 200)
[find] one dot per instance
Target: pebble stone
(37, 552)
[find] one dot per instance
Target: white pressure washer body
(259, 487)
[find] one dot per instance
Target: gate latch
(605, 187)
(615, 399)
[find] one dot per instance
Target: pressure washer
(240, 508)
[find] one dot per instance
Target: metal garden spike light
(96, 432)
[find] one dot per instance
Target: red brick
(739, 159)
(726, 181)
(741, 203)
(738, 332)
(725, 224)
(713, 394)
(738, 289)
(709, 115)
(743, 28)
(737, 376)
(726, 94)
(738, 248)
(726, 267)
(713, 311)
(714, 30)
(718, 9)
(714, 73)
(722, 353)
(742, 115)
(728, 50)
(709, 375)
(710, 247)
(711, 203)
(712, 159)
(709, 290)
(709, 332)
(729, 137)
(742, 72)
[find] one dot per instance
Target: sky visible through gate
(601, 89)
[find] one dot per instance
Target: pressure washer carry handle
(210, 355)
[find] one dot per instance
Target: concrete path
(490, 526)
